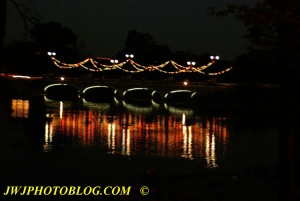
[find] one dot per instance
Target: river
(46, 142)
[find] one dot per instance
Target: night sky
(179, 24)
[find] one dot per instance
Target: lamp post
(51, 54)
(129, 56)
(214, 57)
(191, 63)
(114, 61)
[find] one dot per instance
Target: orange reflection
(20, 108)
(135, 134)
(48, 137)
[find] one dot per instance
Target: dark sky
(180, 24)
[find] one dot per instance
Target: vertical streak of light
(61, 108)
(123, 141)
(48, 137)
(224, 140)
(50, 133)
(213, 151)
(184, 131)
(190, 151)
(183, 119)
(46, 133)
(113, 137)
(207, 148)
(128, 143)
(109, 137)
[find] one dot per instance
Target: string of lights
(220, 72)
(98, 67)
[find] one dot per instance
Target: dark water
(118, 140)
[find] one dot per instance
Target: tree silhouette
(29, 16)
(274, 29)
(53, 36)
(2, 22)
(145, 48)
(32, 55)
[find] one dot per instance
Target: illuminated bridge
(138, 91)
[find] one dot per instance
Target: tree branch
(29, 15)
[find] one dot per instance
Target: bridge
(103, 90)
(95, 89)
(203, 95)
(122, 85)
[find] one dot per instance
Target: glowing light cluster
(19, 108)
(97, 67)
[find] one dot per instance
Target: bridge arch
(181, 97)
(100, 93)
(60, 84)
(61, 91)
(141, 96)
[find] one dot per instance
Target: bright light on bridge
(21, 76)
(94, 87)
(214, 57)
(114, 61)
(178, 91)
(133, 89)
(191, 63)
(51, 85)
(129, 56)
(51, 53)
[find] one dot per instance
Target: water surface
(112, 140)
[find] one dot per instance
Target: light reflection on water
(132, 133)
(20, 108)
(174, 134)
